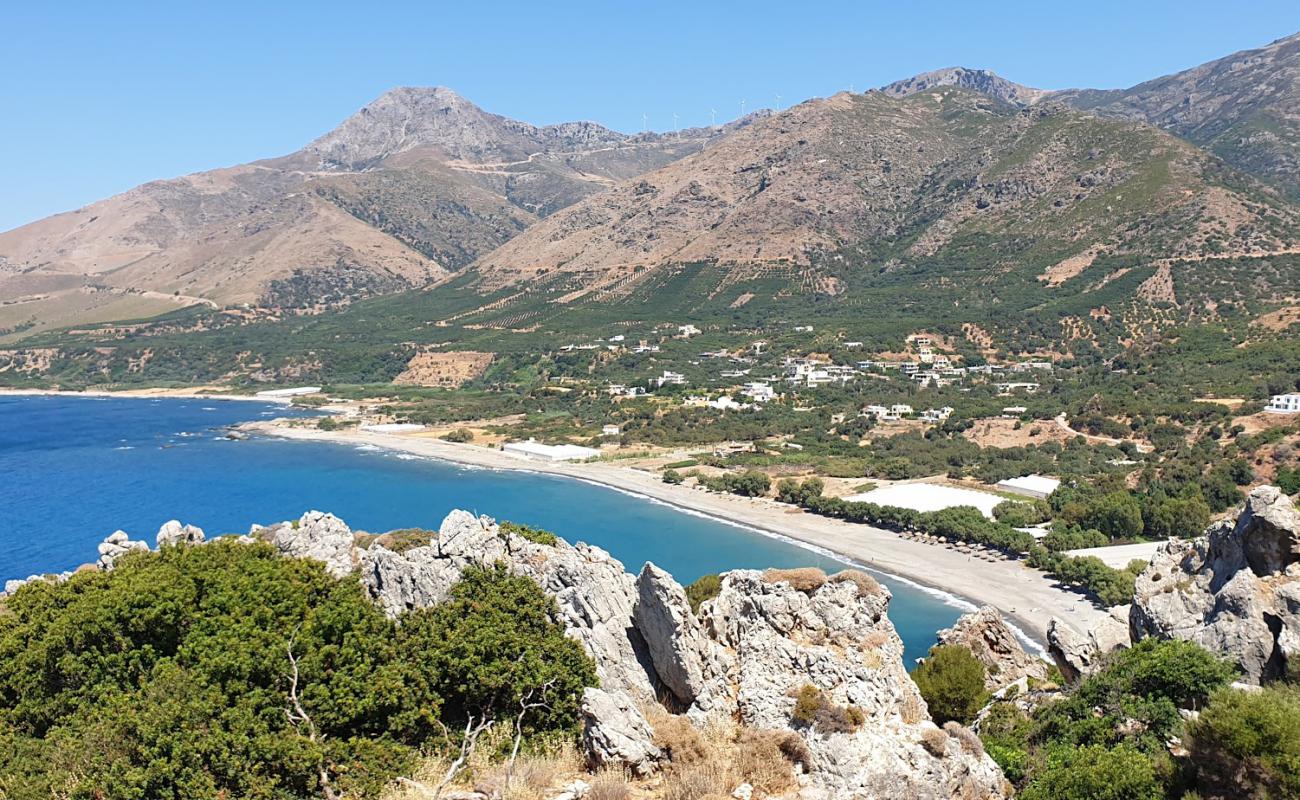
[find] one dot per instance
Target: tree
(951, 680)
(1247, 744)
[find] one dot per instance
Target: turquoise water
(73, 470)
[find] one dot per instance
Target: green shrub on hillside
(176, 675)
(706, 587)
(1247, 744)
(534, 535)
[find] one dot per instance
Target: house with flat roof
(1284, 404)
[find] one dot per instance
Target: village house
(610, 430)
(1028, 387)
(1013, 412)
(1284, 404)
(687, 331)
(759, 392)
(936, 414)
(670, 378)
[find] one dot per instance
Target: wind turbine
(676, 132)
(645, 122)
(778, 102)
(713, 117)
(742, 106)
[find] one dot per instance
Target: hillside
(1244, 108)
(844, 193)
(413, 186)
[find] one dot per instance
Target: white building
(900, 409)
(669, 377)
(687, 331)
(936, 414)
(550, 452)
(759, 392)
(1284, 404)
(1028, 387)
(1013, 412)
(1030, 485)
(610, 430)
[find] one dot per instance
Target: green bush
(1021, 514)
(704, 588)
(951, 680)
(672, 476)
(1247, 744)
(173, 676)
(534, 535)
(461, 435)
(1095, 773)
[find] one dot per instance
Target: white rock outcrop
(116, 545)
(616, 734)
(1234, 591)
(173, 533)
(319, 536)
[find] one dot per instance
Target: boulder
(1234, 591)
(173, 533)
(116, 545)
(616, 734)
(986, 635)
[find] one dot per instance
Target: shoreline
(144, 394)
(1025, 597)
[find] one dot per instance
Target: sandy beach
(1025, 596)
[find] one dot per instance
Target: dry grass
(609, 784)
(535, 776)
(802, 579)
(711, 762)
(967, 738)
(935, 740)
(867, 585)
(913, 710)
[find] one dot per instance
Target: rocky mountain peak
(978, 80)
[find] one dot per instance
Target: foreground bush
(951, 680)
(228, 671)
(1247, 744)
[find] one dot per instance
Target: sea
(75, 469)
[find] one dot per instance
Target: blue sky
(96, 97)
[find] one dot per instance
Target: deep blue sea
(73, 470)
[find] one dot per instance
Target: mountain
(978, 80)
(947, 179)
(1244, 108)
(410, 188)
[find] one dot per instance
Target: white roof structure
(928, 497)
(1030, 485)
(1119, 555)
(550, 452)
(292, 391)
(393, 427)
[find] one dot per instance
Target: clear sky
(96, 97)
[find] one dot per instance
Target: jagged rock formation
(1078, 655)
(986, 635)
(979, 80)
(323, 537)
(765, 638)
(1235, 590)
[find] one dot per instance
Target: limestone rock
(115, 546)
(173, 532)
(838, 638)
(683, 657)
(615, 733)
(995, 645)
(1234, 591)
(323, 537)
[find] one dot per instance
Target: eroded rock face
(1078, 655)
(838, 638)
(986, 635)
(674, 637)
(1234, 591)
